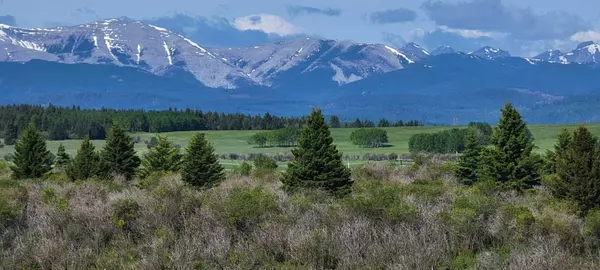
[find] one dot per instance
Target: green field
(235, 141)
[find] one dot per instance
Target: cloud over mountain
(398, 15)
(306, 10)
(268, 23)
(213, 32)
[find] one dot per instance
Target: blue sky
(524, 27)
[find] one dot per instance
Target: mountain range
(125, 63)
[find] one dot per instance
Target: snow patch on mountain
(342, 79)
(396, 52)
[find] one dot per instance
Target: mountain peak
(414, 51)
(584, 44)
(444, 49)
(488, 52)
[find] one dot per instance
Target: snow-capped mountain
(122, 42)
(555, 56)
(345, 62)
(414, 51)
(490, 53)
(445, 49)
(585, 52)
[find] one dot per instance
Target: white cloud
(267, 23)
(467, 33)
(583, 36)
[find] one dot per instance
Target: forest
(61, 123)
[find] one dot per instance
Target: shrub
(124, 212)
(592, 227)
(243, 169)
(247, 207)
(425, 189)
(10, 208)
(265, 164)
(382, 203)
(49, 197)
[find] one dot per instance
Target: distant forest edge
(62, 123)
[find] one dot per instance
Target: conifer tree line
(61, 123)
(199, 165)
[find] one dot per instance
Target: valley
(236, 141)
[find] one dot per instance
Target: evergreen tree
(564, 138)
(163, 157)
(118, 155)
(469, 160)
(510, 161)
(62, 158)
(86, 161)
(383, 123)
(10, 134)
(317, 163)
(201, 167)
(31, 158)
(578, 170)
(334, 122)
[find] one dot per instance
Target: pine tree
(163, 157)
(564, 138)
(201, 167)
(86, 162)
(31, 158)
(317, 162)
(578, 170)
(118, 155)
(468, 163)
(62, 158)
(511, 161)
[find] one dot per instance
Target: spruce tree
(578, 170)
(118, 155)
(86, 162)
(200, 166)
(317, 162)
(62, 158)
(468, 163)
(564, 138)
(163, 157)
(31, 158)
(511, 161)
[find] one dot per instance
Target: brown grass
(72, 226)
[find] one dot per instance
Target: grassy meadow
(236, 141)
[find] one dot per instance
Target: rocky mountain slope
(121, 42)
(343, 62)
